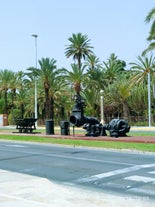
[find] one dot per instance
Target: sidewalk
(21, 190)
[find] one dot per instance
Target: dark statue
(116, 127)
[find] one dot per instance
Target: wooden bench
(26, 125)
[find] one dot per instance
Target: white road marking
(27, 170)
(140, 179)
(69, 157)
(15, 145)
(152, 172)
(87, 159)
(115, 172)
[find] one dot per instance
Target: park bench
(26, 125)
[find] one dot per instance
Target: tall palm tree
(48, 74)
(150, 17)
(95, 79)
(92, 62)
(141, 68)
(138, 99)
(79, 47)
(75, 77)
(6, 77)
(117, 94)
(113, 67)
(144, 68)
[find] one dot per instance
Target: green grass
(141, 133)
(88, 143)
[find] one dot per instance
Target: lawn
(145, 147)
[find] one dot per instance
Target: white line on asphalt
(115, 172)
(87, 159)
(69, 157)
(14, 145)
(138, 178)
(152, 172)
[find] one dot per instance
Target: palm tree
(117, 94)
(138, 99)
(143, 69)
(48, 74)
(79, 48)
(92, 62)
(113, 67)
(150, 17)
(92, 99)
(6, 77)
(75, 77)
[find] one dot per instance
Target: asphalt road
(117, 172)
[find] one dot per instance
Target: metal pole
(35, 82)
(149, 100)
(102, 107)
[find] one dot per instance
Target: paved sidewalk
(21, 190)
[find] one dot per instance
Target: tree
(92, 62)
(46, 74)
(49, 75)
(117, 95)
(113, 67)
(150, 17)
(141, 68)
(7, 77)
(75, 77)
(79, 48)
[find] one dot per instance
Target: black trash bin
(65, 128)
(49, 127)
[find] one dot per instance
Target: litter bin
(49, 127)
(65, 130)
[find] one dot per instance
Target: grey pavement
(21, 190)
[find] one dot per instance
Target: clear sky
(113, 26)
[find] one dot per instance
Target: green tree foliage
(79, 48)
(150, 18)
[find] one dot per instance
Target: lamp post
(102, 107)
(149, 99)
(35, 82)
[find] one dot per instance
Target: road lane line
(15, 145)
(115, 172)
(152, 172)
(87, 159)
(138, 178)
(68, 157)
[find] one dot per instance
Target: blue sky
(113, 26)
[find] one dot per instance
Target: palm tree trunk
(48, 114)
(125, 110)
(6, 102)
(79, 62)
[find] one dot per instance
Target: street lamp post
(102, 107)
(149, 99)
(35, 87)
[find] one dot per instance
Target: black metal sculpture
(116, 127)
(77, 118)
